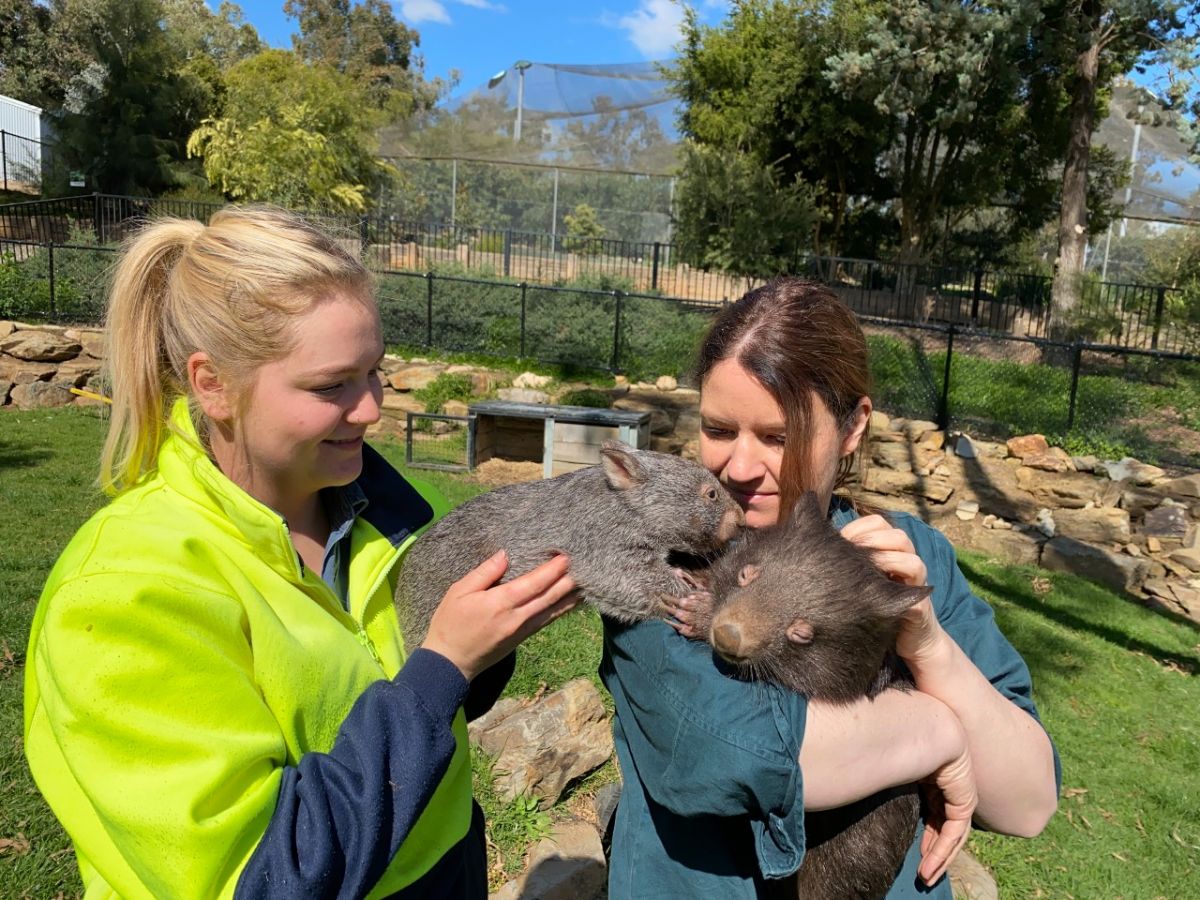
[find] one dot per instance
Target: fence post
(507, 252)
(944, 403)
(364, 236)
(429, 309)
(1158, 313)
(1076, 356)
(654, 267)
(50, 257)
(4, 155)
(523, 287)
(97, 218)
(616, 354)
(975, 294)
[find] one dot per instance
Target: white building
(20, 145)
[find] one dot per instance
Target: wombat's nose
(727, 640)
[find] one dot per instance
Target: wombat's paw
(690, 615)
(696, 581)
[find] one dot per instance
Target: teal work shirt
(713, 798)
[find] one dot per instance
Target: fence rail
(1128, 315)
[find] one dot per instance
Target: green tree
(128, 111)
(1088, 43)
(364, 42)
(292, 133)
(583, 230)
(718, 228)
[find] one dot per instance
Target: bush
(445, 387)
(590, 397)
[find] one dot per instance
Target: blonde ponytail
(229, 289)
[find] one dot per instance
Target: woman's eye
(327, 389)
(778, 439)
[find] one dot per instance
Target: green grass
(1118, 687)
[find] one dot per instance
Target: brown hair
(796, 338)
(232, 288)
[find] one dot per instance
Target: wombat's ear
(899, 597)
(622, 468)
(807, 510)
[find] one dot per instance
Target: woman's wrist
(933, 664)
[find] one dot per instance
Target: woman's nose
(745, 462)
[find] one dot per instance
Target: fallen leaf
(14, 846)
(1119, 856)
(1041, 585)
(1074, 792)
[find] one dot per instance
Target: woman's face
(302, 423)
(742, 433)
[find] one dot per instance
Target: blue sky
(482, 37)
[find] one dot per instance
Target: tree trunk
(1073, 218)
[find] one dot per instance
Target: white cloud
(416, 11)
(654, 27)
(484, 4)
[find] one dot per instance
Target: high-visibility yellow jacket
(205, 717)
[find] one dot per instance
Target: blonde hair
(231, 289)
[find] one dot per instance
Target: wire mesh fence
(436, 441)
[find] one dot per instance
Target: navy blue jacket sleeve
(488, 685)
(342, 815)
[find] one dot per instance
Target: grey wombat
(618, 521)
(799, 605)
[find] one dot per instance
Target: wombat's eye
(710, 492)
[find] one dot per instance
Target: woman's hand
(478, 624)
(921, 638)
(950, 800)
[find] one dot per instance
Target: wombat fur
(799, 605)
(618, 522)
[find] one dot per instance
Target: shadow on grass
(16, 456)
(1188, 663)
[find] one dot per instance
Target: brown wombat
(799, 605)
(619, 521)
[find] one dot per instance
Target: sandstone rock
(402, 403)
(1010, 546)
(40, 395)
(888, 436)
(914, 429)
(1110, 493)
(1027, 445)
(989, 521)
(1053, 460)
(1153, 545)
(666, 383)
(1045, 523)
(1185, 489)
(392, 363)
(969, 880)
(7, 328)
(887, 481)
(482, 382)
(667, 443)
(993, 482)
(523, 395)
(1165, 521)
(687, 425)
(20, 372)
(1123, 573)
(932, 440)
(927, 460)
(454, 408)
(972, 448)
(1073, 490)
(77, 372)
(620, 381)
(1133, 549)
(1098, 525)
(545, 746)
(965, 447)
(879, 420)
(92, 342)
(567, 865)
(1185, 556)
(1139, 473)
(413, 377)
(898, 456)
(967, 510)
(531, 380)
(1139, 500)
(660, 420)
(1088, 464)
(39, 346)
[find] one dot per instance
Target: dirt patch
(497, 472)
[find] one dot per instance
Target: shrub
(446, 386)
(591, 397)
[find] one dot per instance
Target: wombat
(619, 522)
(799, 605)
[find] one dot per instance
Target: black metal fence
(1153, 317)
(1089, 397)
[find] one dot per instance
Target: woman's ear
(860, 418)
(211, 391)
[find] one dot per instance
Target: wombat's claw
(690, 615)
(689, 578)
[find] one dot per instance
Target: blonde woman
(219, 701)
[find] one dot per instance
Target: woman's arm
(1013, 758)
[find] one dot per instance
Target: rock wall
(1127, 524)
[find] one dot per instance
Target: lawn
(1117, 684)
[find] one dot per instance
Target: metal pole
(50, 249)
(520, 103)
(944, 405)
(1074, 384)
(654, 268)
(1107, 244)
(554, 210)
(4, 155)
(1137, 136)
(1158, 313)
(523, 287)
(428, 309)
(616, 354)
(453, 189)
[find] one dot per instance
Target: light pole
(520, 65)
